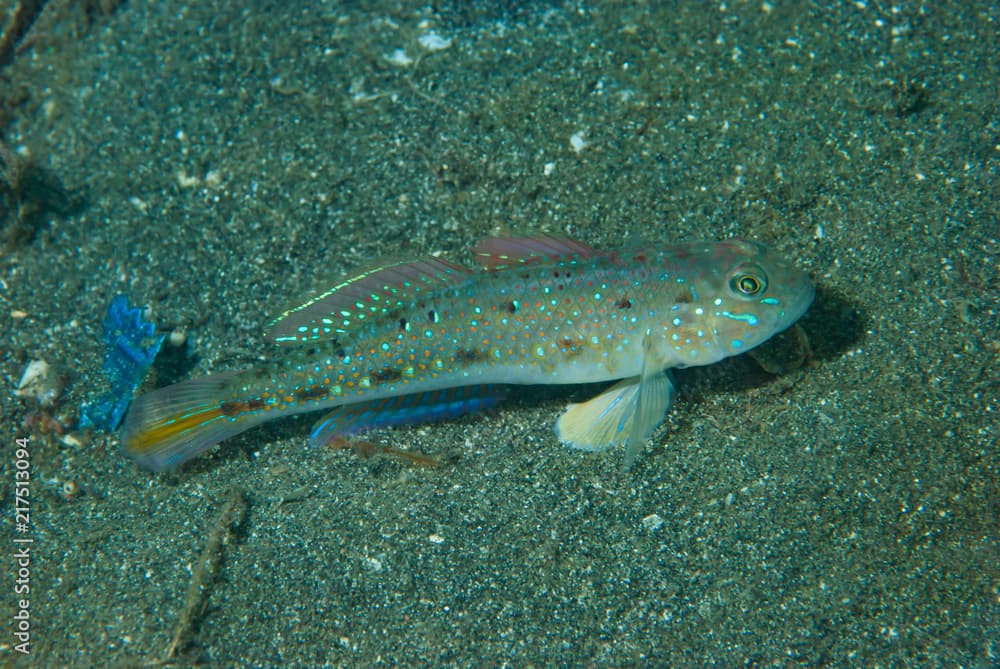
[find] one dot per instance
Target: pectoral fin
(626, 413)
(656, 394)
(600, 422)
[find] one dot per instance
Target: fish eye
(748, 282)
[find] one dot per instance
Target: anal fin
(350, 419)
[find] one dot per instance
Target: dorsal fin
(356, 299)
(499, 252)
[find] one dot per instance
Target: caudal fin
(171, 425)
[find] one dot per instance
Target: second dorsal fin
(360, 297)
(499, 252)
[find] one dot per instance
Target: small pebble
(177, 337)
(70, 489)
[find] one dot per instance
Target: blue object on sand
(132, 346)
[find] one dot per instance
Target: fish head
(738, 295)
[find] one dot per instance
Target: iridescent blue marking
(749, 319)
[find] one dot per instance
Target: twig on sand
(230, 517)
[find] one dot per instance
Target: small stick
(231, 515)
(21, 19)
(366, 449)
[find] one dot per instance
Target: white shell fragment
(432, 41)
(40, 383)
(399, 57)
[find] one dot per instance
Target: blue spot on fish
(749, 319)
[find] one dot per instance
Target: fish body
(415, 340)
